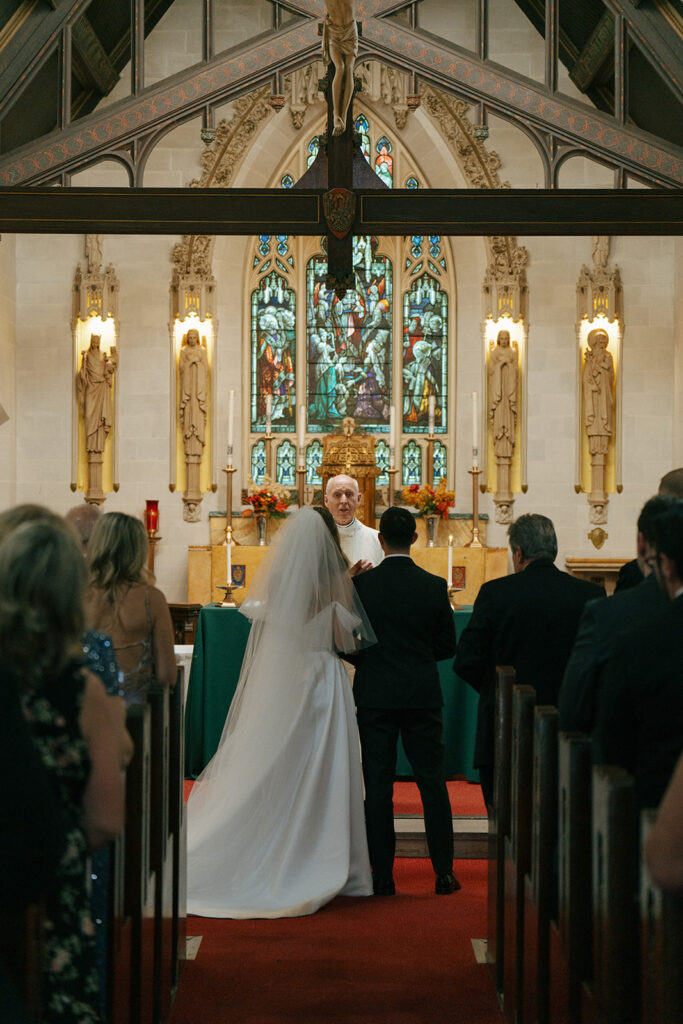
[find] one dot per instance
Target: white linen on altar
(359, 541)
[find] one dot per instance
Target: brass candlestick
(152, 541)
(268, 438)
(301, 481)
(452, 591)
(430, 459)
(229, 601)
(476, 540)
(229, 470)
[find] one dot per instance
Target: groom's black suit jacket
(413, 621)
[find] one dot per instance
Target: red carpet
(406, 959)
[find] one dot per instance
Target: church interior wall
(7, 362)
(678, 354)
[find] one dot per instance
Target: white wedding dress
(275, 821)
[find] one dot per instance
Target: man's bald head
(342, 497)
(671, 483)
(83, 519)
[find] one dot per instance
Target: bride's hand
(362, 565)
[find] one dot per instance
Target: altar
(220, 642)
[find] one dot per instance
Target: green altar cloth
(220, 641)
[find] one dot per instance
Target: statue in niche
(503, 375)
(193, 373)
(503, 385)
(93, 388)
(598, 382)
(340, 47)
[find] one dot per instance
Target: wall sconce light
(151, 516)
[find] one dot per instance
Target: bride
(275, 821)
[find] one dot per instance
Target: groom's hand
(362, 565)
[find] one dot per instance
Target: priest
(359, 543)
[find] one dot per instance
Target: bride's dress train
(275, 822)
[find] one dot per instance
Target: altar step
(470, 835)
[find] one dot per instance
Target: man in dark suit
(639, 722)
(397, 690)
(527, 620)
(602, 624)
(631, 573)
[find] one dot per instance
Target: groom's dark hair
(397, 526)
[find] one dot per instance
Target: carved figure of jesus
(340, 46)
(503, 383)
(598, 381)
(193, 370)
(93, 387)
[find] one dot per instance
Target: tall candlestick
(475, 429)
(302, 433)
(269, 411)
(432, 412)
(231, 411)
(392, 435)
(450, 561)
(229, 549)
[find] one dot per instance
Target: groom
(397, 690)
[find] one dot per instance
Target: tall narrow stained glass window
(440, 461)
(384, 162)
(411, 461)
(425, 355)
(382, 462)
(314, 458)
(350, 343)
(285, 464)
(258, 461)
(273, 363)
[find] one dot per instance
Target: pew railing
(499, 823)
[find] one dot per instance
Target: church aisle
(406, 959)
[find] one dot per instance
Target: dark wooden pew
(518, 850)
(21, 954)
(613, 997)
(140, 880)
(177, 826)
(161, 851)
(119, 937)
(499, 824)
(661, 916)
(571, 935)
(540, 886)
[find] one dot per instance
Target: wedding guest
(527, 620)
(123, 603)
(79, 732)
(604, 622)
(397, 691)
(84, 518)
(639, 723)
(359, 543)
(631, 573)
(664, 845)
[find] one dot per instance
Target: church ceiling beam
(394, 212)
(457, 71)
(657, 39)
(30, 34)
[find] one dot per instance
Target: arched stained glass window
(273, 363)
(382, 462)
(412, 182)
(314, 458)
(411, 464)
(363, 128)
(313, 147)
(349, 342)
(282, 244)
(287, 181)
(264, 244)
(384, 162)
(425, 355)
(416, 246)
(285, 464)
(435, 246)
(258, 461)
(440, 461)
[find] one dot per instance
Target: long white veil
(302, 603)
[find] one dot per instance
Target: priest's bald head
(342, 497)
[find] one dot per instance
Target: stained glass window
(287, 181)
(384, 161)
(411, 464)
(350, 342)
(258, 461)
(282, 244)
(273, 361)
(416, 245)
(425, 355)
(363, 128)
(285, 464)
(412, 182)
(313, 147)
(382, 462)
(264, 244)
(314, 458)
(440, 461)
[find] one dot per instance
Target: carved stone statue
(193, 373)
(93, 388)
(503, 385)
(598, 382)
(340, 46)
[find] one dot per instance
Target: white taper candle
(392, 435)
(475, 430)
(432, 412)
(269, 411)
(231, 413)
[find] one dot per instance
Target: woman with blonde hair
(123, 602)
(79, 732)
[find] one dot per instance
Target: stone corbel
(599, 334)
(95, 359)
(504, 376)
(193, 334)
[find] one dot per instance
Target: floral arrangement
(430, 501)
(267, 498)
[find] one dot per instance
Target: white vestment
(359, 541)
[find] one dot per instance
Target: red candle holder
(151, 516)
